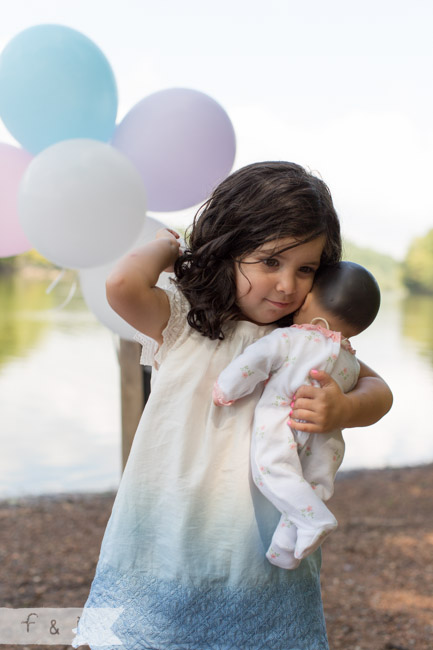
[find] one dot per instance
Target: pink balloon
(13, 163)
(183, 144)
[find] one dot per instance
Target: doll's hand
(176, 240)
(218, 396)
(322, 409)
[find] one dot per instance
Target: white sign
(56, 626)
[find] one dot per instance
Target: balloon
(56, 84)
(13, 163)
(93, 280)
(183, 144)
(81, 203)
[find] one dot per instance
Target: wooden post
(132, 393)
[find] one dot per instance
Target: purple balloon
(183, 144)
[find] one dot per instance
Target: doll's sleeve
(250, 368)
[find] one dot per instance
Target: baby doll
(293, 469)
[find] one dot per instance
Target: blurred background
(342, 89)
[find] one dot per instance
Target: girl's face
(270, 286)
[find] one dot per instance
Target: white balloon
(81, 203)
(93, 280)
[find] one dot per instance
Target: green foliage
(416, 320)
(18, 332)
(30, 259)
(385, 268)
(28, 312)
(418, 265)
(8, 264)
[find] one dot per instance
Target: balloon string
(70, 295)
(55, 282)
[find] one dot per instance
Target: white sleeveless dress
(184, 551)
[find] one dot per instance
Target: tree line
(415, 272)
(418, 265)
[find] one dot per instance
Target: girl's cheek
(243, 284)
(308, 286)
(303, 293)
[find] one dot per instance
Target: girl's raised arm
(131, 287)
(327, 408)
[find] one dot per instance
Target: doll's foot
(309, 541)
(281, 551)
(282, 557)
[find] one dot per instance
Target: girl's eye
(271, 262)
(307, 269)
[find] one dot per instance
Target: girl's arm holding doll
(327, 408)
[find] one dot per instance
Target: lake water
(60, 391)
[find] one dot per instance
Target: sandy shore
(377, 575)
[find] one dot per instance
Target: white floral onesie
(293, 469)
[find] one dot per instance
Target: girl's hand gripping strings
(324, 409)
(131, 287)
(168, 233)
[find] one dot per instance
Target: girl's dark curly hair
(258, 203)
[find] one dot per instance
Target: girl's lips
(279, 305)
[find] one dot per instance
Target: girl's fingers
(165, 232)
(305, 414)
(323, 408)
(307, 427)
(302, 417)
(304, 404)
(169, 233)
(309, 392)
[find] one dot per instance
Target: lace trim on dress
(162, 614)
(149, 348)
(173, 334)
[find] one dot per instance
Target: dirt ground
(377, 575)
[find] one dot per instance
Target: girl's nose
(286, 283)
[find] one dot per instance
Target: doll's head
(260, 203)
(346, 295)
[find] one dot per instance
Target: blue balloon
(56, 84)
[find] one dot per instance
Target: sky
(341, 87)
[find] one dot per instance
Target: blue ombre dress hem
(166, 615)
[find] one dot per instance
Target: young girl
(183, 555)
